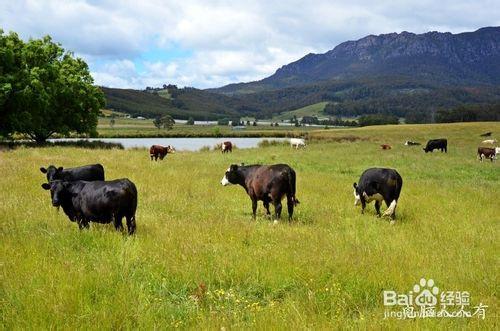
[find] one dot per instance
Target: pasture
(198, 260)
(130, 127)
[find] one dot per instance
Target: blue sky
(134, 44)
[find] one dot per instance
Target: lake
(186, 144)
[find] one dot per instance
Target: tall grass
(199, 261)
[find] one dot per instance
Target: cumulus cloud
(227, 41)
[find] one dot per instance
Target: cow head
(231, 176)
(58, 191)
(170, 149)
(357, 194)
(425, 149)
(52, 172)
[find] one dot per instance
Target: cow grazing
(157, 151)
(98, 201)
(485, 152)
(267, 183)
(411, 143)
(385, 146)
(297, 142)
(486, 134)
(441, 144)
(379, 184)
(489, 142)
(89, 173)
(226, 147)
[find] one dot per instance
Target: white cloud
(227, 41)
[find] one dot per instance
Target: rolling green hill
(311, 110)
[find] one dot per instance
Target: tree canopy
(45, 89)
(165, 121)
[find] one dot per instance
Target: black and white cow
(379, 184)
(267, 183)
(88, 172)
(97, 201)
(441, 144)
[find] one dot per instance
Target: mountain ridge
(450, 59)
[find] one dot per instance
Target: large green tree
(45, 90)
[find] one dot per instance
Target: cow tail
(292, 179)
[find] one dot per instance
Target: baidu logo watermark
(426, 300)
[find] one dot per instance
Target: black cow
(89, 172)
(267, 183)
(379, 184)
(441, 144)
(97, 201)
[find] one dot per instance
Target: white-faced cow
(379, 184)
(98, 201)
(89, 173)
(411, 143)
(441, 144)
(297, 142)
(486, 153)
(226, 147)
(157, 151)
(266, 183)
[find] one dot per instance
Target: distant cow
(227, 147)
(267, 183)
(89, 172)
(379, 184)
(157, 151)
(485, 152)
(297, 142)
(441, 144)
(489, 142)
(411, 143)
(385, 146)
(98, 201)
(486, 134)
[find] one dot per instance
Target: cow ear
(43, 170)
(355, 185)
(46, 186)
(233, 167)
(60, 169)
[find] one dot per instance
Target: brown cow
(485, 152)
(385, 146)
(267, 183)
(157, 151)
(226, 147)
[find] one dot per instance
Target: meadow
(135, 128)
(199, 261)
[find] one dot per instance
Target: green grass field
(199, 261)
(311, 110)
(130, 127)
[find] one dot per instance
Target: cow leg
(131, 224)
(377, 207)
(290, 203)
(117, 221)
(82, 223)
(151, 157)
(254, 208)
(391, 210)
(277, 209)
(363, 206)
(266, 205)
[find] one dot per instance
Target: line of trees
(45, 90)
